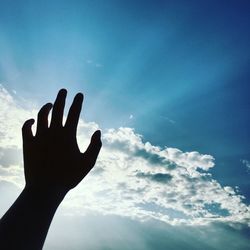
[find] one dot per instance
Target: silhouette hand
(52, 159)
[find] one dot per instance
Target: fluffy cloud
(12, 114)
(132, 177)
(141, 180)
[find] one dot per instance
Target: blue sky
(175, 71)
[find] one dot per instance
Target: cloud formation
(132, 177)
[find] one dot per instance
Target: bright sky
(168, 83)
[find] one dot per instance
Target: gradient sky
(177, 72)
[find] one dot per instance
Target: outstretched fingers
(42, 119)
(58, 108)
(74, 113)
(90, 155)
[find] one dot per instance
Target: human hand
(52, 159)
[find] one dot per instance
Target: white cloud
(134, 178)
(13, 174)
(12, 115)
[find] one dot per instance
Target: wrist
(44, 196)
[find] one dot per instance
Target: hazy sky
(168, 84)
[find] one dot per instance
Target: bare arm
(53, 164)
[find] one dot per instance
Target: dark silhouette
(53, 164)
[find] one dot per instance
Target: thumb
(94, 148)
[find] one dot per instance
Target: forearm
(26, 223)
